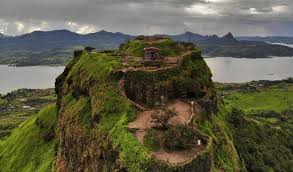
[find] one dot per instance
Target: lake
(12, 78)
(228, 69)
(224, 69)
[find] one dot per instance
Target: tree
(161, 118)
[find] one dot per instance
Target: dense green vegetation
(225, 154)
(26, 150)
(19, 105)
(152, 140)
(262, 124)
(135, 155)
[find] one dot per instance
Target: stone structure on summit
(152, 53)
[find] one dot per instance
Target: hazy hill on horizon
(54, 47)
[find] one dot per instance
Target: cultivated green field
(276, 97)
(262, 124)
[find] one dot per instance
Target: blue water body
(12, 78)
(237, 70)
(224, 69)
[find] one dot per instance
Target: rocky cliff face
(81, 147)
(92, 133)
(189, 78)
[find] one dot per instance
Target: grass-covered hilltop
(114, 111)
(149, 106)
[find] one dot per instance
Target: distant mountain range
(56, 47)
(228, 46)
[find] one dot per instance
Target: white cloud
(202, 9)
(19, 26)
(280, 9)
(72, 24)
(86, 29)
(253, 11)
(81, 28)
(132, 16)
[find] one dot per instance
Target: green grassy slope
(27, 149)
(224, 152)
(262, 126)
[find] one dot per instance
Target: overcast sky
(241, 17)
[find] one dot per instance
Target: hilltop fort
(136, 109)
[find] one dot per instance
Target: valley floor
(19, 105)
(262, 123)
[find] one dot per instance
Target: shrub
(180, 137)
(152, 140)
